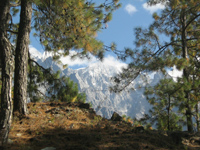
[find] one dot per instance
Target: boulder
(116, 117)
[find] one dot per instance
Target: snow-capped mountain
(95, 81)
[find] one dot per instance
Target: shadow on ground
(84, 139)
(68, 127)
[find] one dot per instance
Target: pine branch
(173, 19)
(190, 21)
(15, 4)
(128, 83)
(42, 93)
(196, 30)
(115, 51)
(14, 32)
(46, 70)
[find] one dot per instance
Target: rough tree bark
(188, 112)
(21, 58)
(7, 72)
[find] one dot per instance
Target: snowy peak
(95, 81)
(44, 59)
(35, 54)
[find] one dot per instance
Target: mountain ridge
(95, 81)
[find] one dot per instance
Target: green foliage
(179, 25)
(57, 88)
(165, 97)
(124, 117)
(137, 123)
(70, 93)
(62, 25)
(90, 104)
(71, 24)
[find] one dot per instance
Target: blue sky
(133, 13)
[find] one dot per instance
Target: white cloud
(81, 63)
(130, 9)
(34, 52)
(112, 61)
(77, 62)
(153, 8)
(174, 73)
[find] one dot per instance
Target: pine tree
(179, 24)
(21, 57)
(65, 32)
(55, 87)
(164, 98)
(195, 93)
(73, 26)
(7, 72)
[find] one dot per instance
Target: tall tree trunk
(7, 72)
(185, 71)
(21, 58)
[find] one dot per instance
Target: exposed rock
(116, 117)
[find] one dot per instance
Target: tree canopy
(72, 24)
(179, 25)
(60, 25)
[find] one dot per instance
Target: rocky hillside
(75, 126)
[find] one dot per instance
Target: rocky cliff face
(95, 81)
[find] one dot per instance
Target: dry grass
(66, 126)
